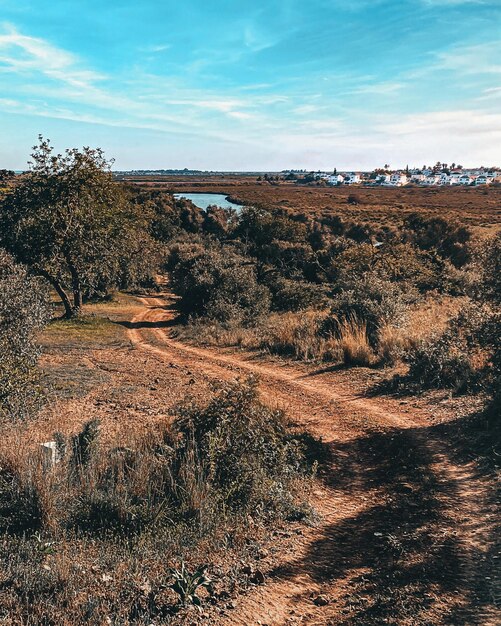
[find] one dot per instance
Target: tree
(71, 223)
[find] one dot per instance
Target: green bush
(393, 261)
(217, 283)
(372, 301)
(248, 450)
(441, 363)
(23, 311)
(294, 295)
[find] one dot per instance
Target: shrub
(448, 239)
(490, 271)
(397, 262)
(23, 311)
(217, 283)
(20, 503)
(258, 228)
(250, 455)
(372, 301)
(448, 361)
(294, 295)
(441, 363)
(220, 461)
(353, 199)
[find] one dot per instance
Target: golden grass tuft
(354, 344)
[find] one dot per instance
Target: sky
(253, 85)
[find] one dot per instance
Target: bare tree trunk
(76, 287)
(68, 308)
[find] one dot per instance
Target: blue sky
(234, 84)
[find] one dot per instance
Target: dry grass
(354, 344)
(425, 320)
(295, 334)
(298, 335)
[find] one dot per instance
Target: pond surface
(204, 200)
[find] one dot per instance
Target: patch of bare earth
(407, 518)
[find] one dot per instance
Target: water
(204, 200)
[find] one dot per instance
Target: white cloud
(154, 49)
(21, 53)
(378, 88)
(479, 59)
(453, 2)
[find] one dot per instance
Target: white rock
(50, 453)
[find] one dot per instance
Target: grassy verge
(300, 335)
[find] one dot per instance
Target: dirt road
(407, 522)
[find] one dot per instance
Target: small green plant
(43, 547)
(187, 583)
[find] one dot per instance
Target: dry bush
(372, 300)
(425, 320)
(457, 357)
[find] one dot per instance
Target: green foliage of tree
(72, 224)
(396, 262)
(258, 228)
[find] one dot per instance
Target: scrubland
(223, 390)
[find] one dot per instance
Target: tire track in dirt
(376, 450)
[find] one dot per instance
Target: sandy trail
(407, 530)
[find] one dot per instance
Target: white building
(398, 179)
(483, 179)
(465, 179)
(432, 179)
(351, 179)
(418, 178)
(335, 179)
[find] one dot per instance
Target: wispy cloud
(21, 53)
(484, 58)
(439, 3)
(378, 88)
(155, 48)
(30, 56)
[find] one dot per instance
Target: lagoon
(204, 200)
